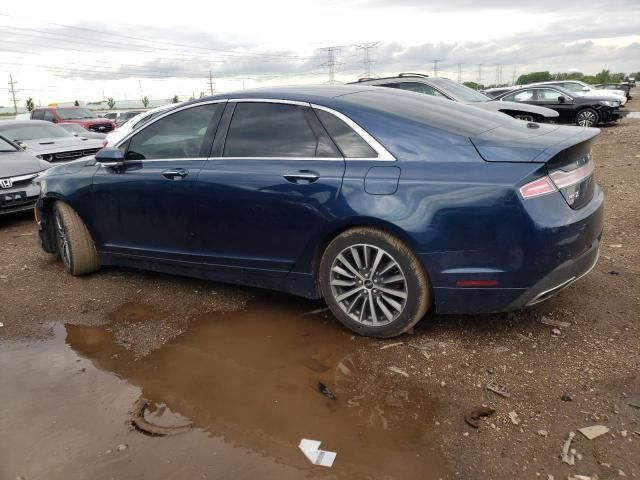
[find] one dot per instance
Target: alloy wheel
(587, 118)
(368, 284)
(62, 241)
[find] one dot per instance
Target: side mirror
(110, 157)
(561, 99)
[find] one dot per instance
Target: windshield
(6, 146)
(74, 113)
(30, 131)
(462, 92)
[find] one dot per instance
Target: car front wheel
(74, 243)
(373, 283)
(587, 117)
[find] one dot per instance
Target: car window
(37, 115)
(349, 142)
(388, 85)
(420, 88)
(74, 113)
(275, 130)
(522, 96)
(48, 116)
(180, 135)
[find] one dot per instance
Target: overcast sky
(60, 51)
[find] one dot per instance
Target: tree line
(605, 76)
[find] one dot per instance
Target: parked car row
(574, 101)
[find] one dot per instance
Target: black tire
(74, 243)
(373, 283)
(587, 117)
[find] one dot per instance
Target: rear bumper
(559, 279)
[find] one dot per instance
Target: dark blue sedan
(384, 203)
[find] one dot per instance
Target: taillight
(564, 179)
(537, 188)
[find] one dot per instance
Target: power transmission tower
(366, 57)
(332, 62)
(13, 93)
(480, 75)
(513, 79)
(498, 74)
(210, 83)
(459, 73)
(435, 67)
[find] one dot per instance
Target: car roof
(366, 105)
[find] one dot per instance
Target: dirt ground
(243, 367)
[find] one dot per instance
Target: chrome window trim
(269, 100)
(383, 153)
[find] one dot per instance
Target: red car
(82, 116)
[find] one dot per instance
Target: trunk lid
(520, 141)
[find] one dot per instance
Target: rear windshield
(29, 131)
(446, 115)
(74, 113)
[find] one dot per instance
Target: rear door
(146, 207)
(268, 190)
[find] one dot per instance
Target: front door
(146, 206)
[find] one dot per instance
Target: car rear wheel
(373, 283)
(587, 117)
(74, 243)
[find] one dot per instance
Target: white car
(585, 90)
(134, 123)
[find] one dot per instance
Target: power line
(435, 67)
(332, 62)
(210, 83)
(12, 84)
(366, 57)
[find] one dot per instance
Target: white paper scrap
(311, 450)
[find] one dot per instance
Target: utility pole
(479, 75)
(332, 62)
(140, 86)
(210, 83)
(459, 73)
(13, 93)
(435, 67)
(366, 57)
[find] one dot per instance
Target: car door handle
(177, 173)
(304, 177)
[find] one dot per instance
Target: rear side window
(48, 116)
(349, 142)
(523, 96)
(37, 115)
(275, 130)
(180, 135)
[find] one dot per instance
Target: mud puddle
(247, 382)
